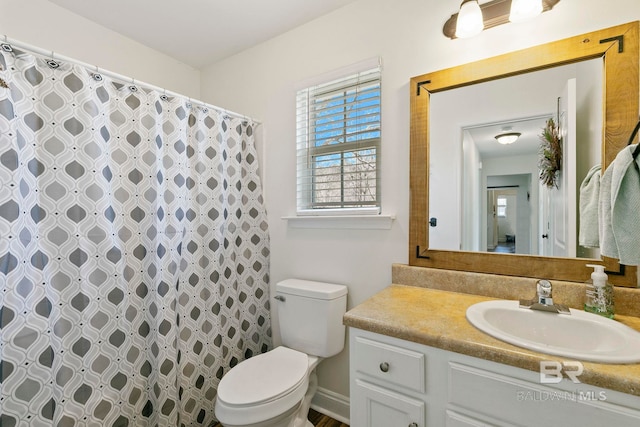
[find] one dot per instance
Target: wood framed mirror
(618, 48)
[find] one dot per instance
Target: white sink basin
(580, 336)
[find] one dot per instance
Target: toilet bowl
(275, 389)
(268, 391)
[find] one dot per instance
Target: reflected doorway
(502, 220)
(508, 214)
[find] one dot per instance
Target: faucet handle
(543, 289)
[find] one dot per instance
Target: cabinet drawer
(511, 401)
(391, 364)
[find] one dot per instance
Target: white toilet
(274, 389)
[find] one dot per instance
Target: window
(338, 145)
(501, 202)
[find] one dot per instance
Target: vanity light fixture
(492, 13)
(508, 137)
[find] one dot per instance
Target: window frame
(307, 153)
(503, 206)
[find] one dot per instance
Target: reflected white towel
(620, 209)
(588, 214)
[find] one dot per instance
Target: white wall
(472, 195)
(407, 34)
(47, 26)
(589, 127)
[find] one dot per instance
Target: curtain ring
(6, 46)
(97, 76)
(52, 63)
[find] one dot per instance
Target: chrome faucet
(544, 300)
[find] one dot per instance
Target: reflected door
(559, 237)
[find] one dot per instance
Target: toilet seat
(262, 387)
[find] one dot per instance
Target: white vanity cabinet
(397, 383)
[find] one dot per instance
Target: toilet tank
(310, 316)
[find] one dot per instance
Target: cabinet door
(373, 406)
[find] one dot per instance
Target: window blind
(338, 145)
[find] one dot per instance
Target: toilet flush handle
(280, 298)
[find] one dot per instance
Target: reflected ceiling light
(470, 22)
(492, 14)
(523, 10)
(508, 137)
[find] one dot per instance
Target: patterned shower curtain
(134, 251)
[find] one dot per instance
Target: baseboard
(332, 404)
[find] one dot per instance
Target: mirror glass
(486, 196)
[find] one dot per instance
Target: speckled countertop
(437, 318)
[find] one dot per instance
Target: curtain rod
(52, 55)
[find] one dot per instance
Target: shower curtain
(134, 250)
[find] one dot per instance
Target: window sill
(353, 222)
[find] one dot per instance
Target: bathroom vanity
(416, 361)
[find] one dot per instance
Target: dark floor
(318, 420)
(505, 248)
(321, 420)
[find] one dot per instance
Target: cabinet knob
(413, 425)
(384, 367)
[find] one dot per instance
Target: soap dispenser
(599, 293)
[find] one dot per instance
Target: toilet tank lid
(311, 289)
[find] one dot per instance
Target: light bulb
(470, 21)
(508, 138)
(523, 10)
